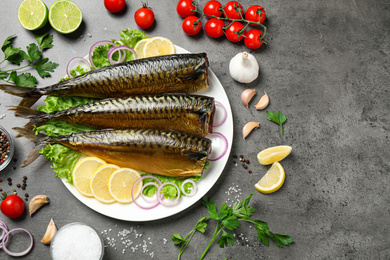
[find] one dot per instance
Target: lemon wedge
(157, 46)
(99, 183)
(272, 180)
(121, 184)
(83, 172)
(273, 154)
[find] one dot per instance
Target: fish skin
(172, 153)
(193, 114)
(177, 73)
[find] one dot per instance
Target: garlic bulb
(244, 67)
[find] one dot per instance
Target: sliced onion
(75, 60)
(93, 48)
(120, 58)
(141, 179)
(224, 114)
(193, 189)
(17, 253)
(169, 202)
(118, 48)
(3, 239)
(217, 150)
(145, 198)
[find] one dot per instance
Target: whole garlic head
(244, 67)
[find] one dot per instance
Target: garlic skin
(247, 95)
(263, 102)
(244, 67)
(51, 230)
(37, 202)
(247, 129)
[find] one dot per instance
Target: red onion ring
(117, 48)
(75, 60)
(19, 253)
(171, 202)
(147, 198)
(2, 238)
(132, 191)
(215, 136)
(120, 58)
(93, 48)
(224, 116)
(193, 190)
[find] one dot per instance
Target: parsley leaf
(43, 66)
(225, 238)
(44, 42)
(23, 79)
(277, 118)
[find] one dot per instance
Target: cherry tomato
(235, 32)
(214, 27)
(212, 8)
(144, 17)
(252, 39)
(12, 206)
(184, 7)
(114, 6)
(255, 13)
(233, 10)
(191, 25)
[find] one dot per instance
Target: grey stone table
(326, 67)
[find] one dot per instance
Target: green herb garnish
(277, 118)
(229, 219)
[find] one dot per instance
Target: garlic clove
(37, 202)
(263, 102)
(247, 95)
(248, 128)
(51, 230)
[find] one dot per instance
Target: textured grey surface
(326, 66)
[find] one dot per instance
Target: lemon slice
(139, 48)
(157, 46)
(273, 154)
(32, 14)
(99, 183)
(65, 16)
(83, 172)
(272, 180)
(121, 184)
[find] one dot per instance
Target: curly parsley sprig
(32, 56)
(228, 219)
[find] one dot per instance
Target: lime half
(65, 16)
(32, 14)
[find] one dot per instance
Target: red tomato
(255, 13)
(191, 25)
(234, 10)
(144, 17)
(184, 7)
(235, 32)
(252, 39)
(12, 206)
(214, 27)
(114, 6)
(212, 8)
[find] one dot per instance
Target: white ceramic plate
(131, 212)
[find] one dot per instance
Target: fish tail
(29, 95)
(27, 133)
(32, 114)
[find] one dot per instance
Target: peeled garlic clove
(51, 230)
(37, 202)
(247, 95)
(263, 102)
(248, 128)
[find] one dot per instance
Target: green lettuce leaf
(54, 104)
(58, 127)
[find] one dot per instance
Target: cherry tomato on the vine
(255, 13)
(235, 32)
(144, 17)
(191, 25)
(114, 6)
(233, 10)
(12, 206)
(214, 27)
(252, 39)
(184, 8)
(212, 8)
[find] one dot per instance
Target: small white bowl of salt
(77, 241)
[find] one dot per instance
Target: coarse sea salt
(77, 241)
